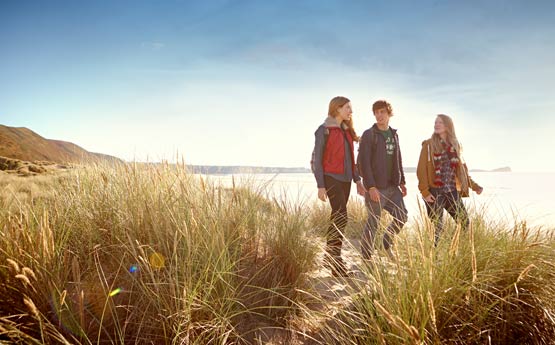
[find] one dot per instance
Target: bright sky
(248, 82)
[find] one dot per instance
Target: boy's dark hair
(382, 103)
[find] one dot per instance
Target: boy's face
(382, 117)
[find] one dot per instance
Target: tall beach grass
(151, 254)
(489, 284)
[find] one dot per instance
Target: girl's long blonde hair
(335, 104)
(437, 147)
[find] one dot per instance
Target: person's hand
(374, 194)
(479, 191)
(429, 199)
(403, 190)
(322, 195)
(360, 188)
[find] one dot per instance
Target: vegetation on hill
(24, 144)
(24, 168)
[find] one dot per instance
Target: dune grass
(486, 285)
(151, 254)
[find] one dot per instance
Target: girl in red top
(334, 170)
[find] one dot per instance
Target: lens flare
(133, 268)
(157, 260)
(115, 292)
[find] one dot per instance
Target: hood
(332, 122)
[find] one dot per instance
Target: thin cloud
(153, 45)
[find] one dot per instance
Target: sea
(508, 197)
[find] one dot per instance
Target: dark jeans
(452, 203)
(338, 195)
(391, 200)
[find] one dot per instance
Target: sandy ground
(327, 295)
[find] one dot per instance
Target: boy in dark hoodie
(381, 168)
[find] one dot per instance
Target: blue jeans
(391, 200)
(452, 203)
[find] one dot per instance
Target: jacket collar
(332, 122)
(375, 127)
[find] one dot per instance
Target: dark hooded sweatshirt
(372, 160)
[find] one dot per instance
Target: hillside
(24, 144)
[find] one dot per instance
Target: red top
(334, 154)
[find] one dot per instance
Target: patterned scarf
(453, 157)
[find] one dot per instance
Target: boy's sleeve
(364, 158)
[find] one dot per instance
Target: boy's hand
(374, 194)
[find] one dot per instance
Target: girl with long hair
(334, 170)
(443, 176)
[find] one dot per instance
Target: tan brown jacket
(426, 173)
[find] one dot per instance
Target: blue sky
(248, 82)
